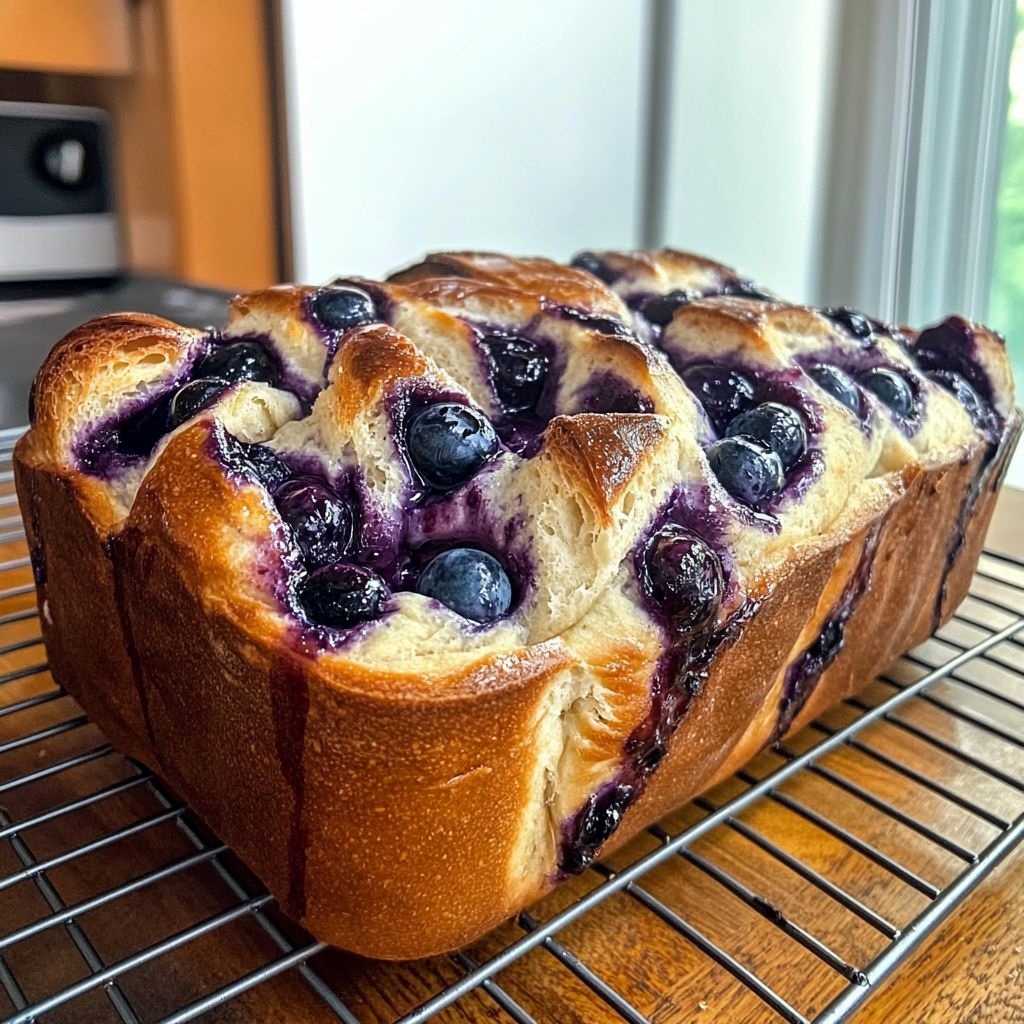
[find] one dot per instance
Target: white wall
(519, 125)
(748, 155)
(508, 124)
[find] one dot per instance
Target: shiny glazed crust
(401, 804)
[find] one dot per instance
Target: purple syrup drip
(991, 471)
(953, 346)
(678, 679)
(592, 321)
(806, 670)
(112, 445)
(607, 392)
(128, 436)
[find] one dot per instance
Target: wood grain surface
(971, 969)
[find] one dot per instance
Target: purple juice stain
(118, 442)
(607, 392)
(805, 672)
(379, 546)
(687, 531)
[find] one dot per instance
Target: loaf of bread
(426, 592)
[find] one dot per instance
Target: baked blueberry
(776, 426)
(593, 264)
(470, 582)
(191, 399)
(960, 389)
(321, 523)
(837, 384)
(263, 464)
(139, 433)
(339, 308)
(724, 393)
(746, 468)
(241, 360)
(602, 815)
(519, 370)
(254, 460)
(890, 388)
(659, 309)
(341, 595)
(651, 758)
(449, 442)
(684, 576)
(853, 322)
(745, 289)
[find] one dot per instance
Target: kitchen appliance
(57, 212)
(60, 250)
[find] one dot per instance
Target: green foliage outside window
(1006, 312)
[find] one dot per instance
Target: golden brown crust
(537, 277)
(602, 453)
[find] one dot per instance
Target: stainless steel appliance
(58, 217)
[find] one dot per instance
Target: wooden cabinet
(187, 84)
(88, 37)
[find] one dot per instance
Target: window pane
(1007, 305)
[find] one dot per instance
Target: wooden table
(970, 970)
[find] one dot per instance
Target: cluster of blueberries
(746, 470)
(447, 443)
(759, 442)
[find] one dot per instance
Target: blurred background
(161, 153)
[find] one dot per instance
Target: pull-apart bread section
(426, 592)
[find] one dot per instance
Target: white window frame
(916, 156)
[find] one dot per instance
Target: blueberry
(853, 322)
(449, 442)
(341, 595)
(321, 523)
(684, 576)
(961, 390)
(747, 469)
(255, 460)
(724, 393)
(242, 360)
(339, 308)
(776, 426)
(838, 385)
(593, 264)
(140, 432)
(265, 465)
(193, 398)
(890, 388)
(602, 815)
(519, 370)
(651, 758)
(470, 582)
(659, 309)
(745, 289)
(608, 392)
(601, 324)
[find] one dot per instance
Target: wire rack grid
(846, 847)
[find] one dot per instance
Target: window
(1006, 309)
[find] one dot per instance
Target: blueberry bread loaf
(426, 592)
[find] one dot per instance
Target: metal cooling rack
(959, 699)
